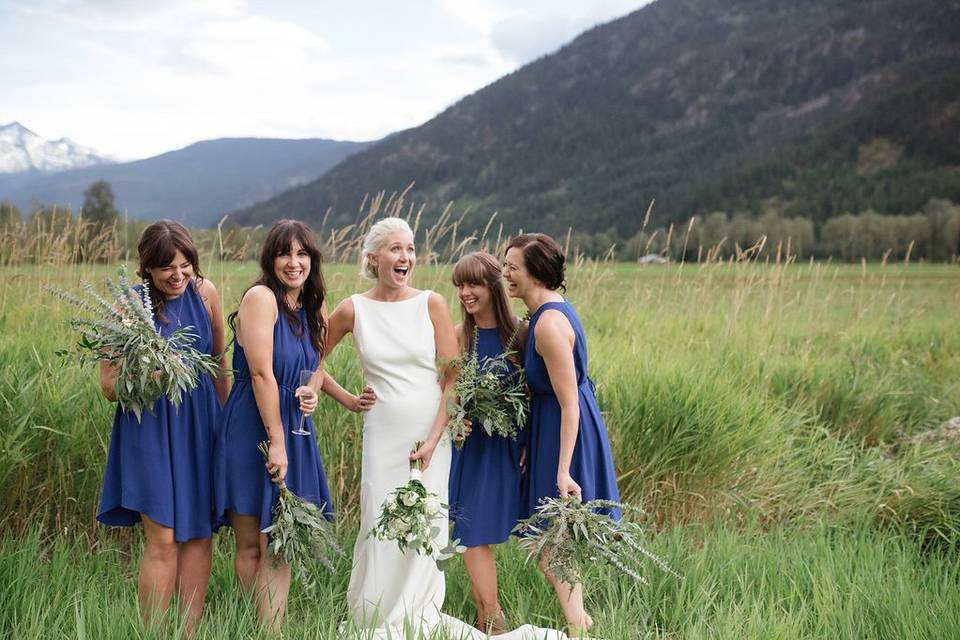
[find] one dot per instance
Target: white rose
(394, 527)
(410, 498)
(432, 505)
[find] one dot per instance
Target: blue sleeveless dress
(485, 475)
(242, 484)
(162, 466)
(592, 463)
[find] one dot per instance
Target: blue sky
(134, 78)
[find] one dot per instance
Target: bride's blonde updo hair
(375, 239)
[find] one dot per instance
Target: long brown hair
(157, 248)
(279, 240)
(481, 268)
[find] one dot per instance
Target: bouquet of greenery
(488, 392)
(299, 532)
(576, 535)
(409, 514)
(123, 332)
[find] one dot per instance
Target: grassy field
(778, 423)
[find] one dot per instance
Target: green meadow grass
(769, 418)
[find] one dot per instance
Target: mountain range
(21, 150)
(197, 184)
(816, 107)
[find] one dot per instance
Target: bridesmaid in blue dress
(159, 469)
(485, 473)
(568, 450)
(278, 332)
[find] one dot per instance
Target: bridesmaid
(568, 450)
(485, 473)
(159, 470)
(278, 332)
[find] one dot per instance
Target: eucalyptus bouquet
(576, 535)
(489, 392)
(122, 331)
(299, 532)
(412, 516)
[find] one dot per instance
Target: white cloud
(526, 37)
(246, 46)
(521, 32)
(137, 15)
(137, 78)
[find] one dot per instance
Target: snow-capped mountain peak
(23, 150)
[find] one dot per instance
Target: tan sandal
(492, 625)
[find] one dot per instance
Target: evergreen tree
(9, 214)
(98, 204)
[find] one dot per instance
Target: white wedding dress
(394, 595)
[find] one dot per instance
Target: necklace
(171, 316)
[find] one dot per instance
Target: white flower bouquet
(412, 516)
(122, 331)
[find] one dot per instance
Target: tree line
(931, 234)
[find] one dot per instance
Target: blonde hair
(375, 239)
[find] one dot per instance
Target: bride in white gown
(400, 334)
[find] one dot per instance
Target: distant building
(653, 258)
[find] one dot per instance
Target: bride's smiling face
(395, 259)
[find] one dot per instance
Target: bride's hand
(568, 487)
(424, 453)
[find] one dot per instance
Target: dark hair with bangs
(481, 268)
(543, 258)
(279, 240)
(157, 248)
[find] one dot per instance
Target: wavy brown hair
(481, 268)
(157, 248)
(279, 240)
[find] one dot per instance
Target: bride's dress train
(390, 592)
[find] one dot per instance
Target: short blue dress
(485, 474)
(592, 464)
(162, 466)
(242, 483)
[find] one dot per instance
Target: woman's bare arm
(447, 352)
(555, 339)
(211, 300)
(255, 321)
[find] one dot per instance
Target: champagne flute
(306, 376)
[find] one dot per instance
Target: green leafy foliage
(575, 535)
(122, 331)
(490, 393)
(299, 534)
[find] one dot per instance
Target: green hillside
(704, 105)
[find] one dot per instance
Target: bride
(400, 334)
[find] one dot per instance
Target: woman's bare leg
(482, 569)
(193, 576)
(246, 560)
(272, 587)
(571, 601)
(158, 571)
